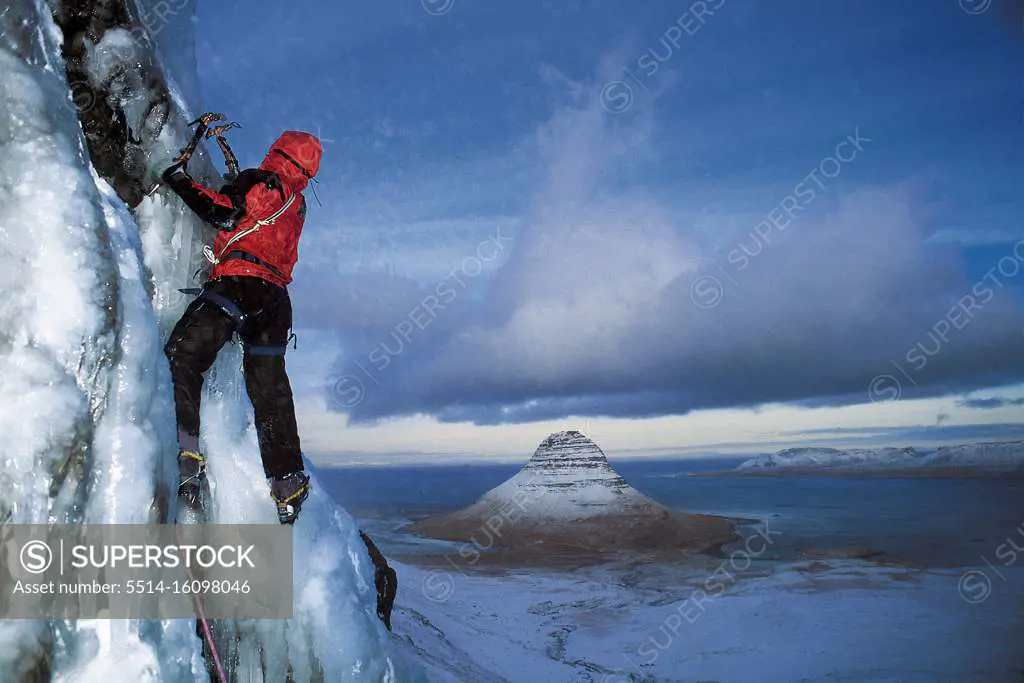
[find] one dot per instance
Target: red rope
(202, 618)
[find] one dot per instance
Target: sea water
(929, 522)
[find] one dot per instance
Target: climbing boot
(289, 492)
(192, 487)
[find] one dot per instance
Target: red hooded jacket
(264, 223)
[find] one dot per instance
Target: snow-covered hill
(568, 478)
(994, 455)
(831, 457)
(567, 495)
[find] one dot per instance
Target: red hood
(293, 153)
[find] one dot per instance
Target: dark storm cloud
(609, 305)
(601, 321)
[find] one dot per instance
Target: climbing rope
(207, 635)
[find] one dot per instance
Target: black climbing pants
(261, 313)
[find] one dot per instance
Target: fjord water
(938, 522)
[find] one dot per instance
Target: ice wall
(89, 292)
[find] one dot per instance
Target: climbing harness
(273, 350)
(246, 256)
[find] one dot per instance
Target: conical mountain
(568, 498)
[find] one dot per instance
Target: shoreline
(812, 560)
(667, 536)
(503, 565)
(565, 557)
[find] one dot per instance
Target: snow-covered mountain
(998, 454)
(568, 478)
(89, 270)
(994, 455)
(568, 494)
(831, 457)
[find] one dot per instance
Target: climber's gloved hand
(174, 172)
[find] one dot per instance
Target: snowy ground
(772, 623)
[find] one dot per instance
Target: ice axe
(229, 156)
(202, 125)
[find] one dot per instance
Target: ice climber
(259, 216)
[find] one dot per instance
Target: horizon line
(367, 458)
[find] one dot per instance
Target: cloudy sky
(725, 226)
